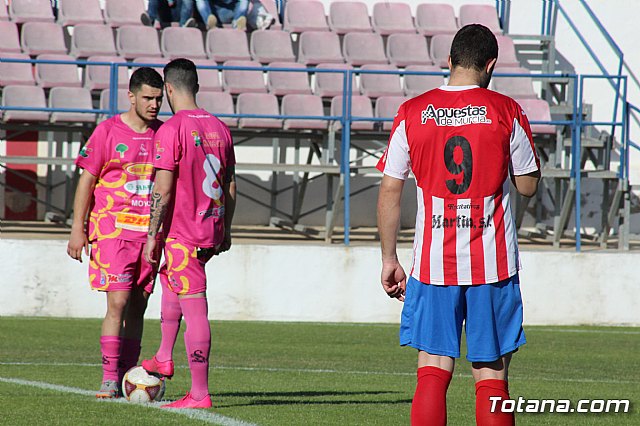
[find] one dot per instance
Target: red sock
(492, 388)
(129, 354)
(197, 339)
(110, 348)
(170, 316)
(429, 405)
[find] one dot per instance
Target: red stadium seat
(16, 73)
(360, 107)
(480, 14)
(364, 48)
(440, 49)
(386, 107)
(30, 11)
(24, 96)
(42, 37)
(9, 40)
(288, 82)
(317, 47)
(376, 85)
(271, 46)
(328, 84)
(506, 52)
(258, 103)
(301, 16)
(4, 15)
(432, 19)
(310, 105)
(218, 103)
(133, 41)
(91, 39)
(208, 79)
(515, 87)
(123, 12)
(227, 44)
(71, 97)
(123, 100)
(243, 81)
(97, 77)
(73, 12)
(538, 110)
(415, 85)
(348, 17)
(389, 18)
(182, 42)
(57, 75)
(408, 49)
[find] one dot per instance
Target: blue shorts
(432, 319)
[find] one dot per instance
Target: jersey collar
(458, 88)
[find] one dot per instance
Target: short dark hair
(182, 74)
(145, 75)
(473, 46)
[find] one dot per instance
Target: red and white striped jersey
(461, 142)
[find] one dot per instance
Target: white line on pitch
(205, 416)
(330, 371)
(577, 330)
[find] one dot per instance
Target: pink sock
(197, 339)
(129, 354)
(170, 315)
(110, 348)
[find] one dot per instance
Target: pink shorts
(183, 267)
(119, 265)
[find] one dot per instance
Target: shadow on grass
(303, 398)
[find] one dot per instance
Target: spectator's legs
(240, 10)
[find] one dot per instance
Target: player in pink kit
(193, 199)
(115, 186)
(464, 144)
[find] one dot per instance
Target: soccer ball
(140, 386)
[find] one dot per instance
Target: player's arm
(82, 200)
(160, 198)
(393, 277)
(527, 184)
(229, 189)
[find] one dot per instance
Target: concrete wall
(322, 283)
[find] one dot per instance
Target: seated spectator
(259, 18)
(163, 12)
(232, 12)
(204, 9)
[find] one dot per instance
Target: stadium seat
(71, 97)
(239, 81)
(415, 85)
(538, 110)
(386, 107)
(440, 49)
(288, 82)
(57, 75)
(123, 100)
(159, 63)
(182, 42)
(515, 87)
(16, 73)
(310, 105)
(258, 103)
(376, 85)
(432, 19)
(4, 15)
(364, 48)
(9, 39)
(42, 37)
(218, 103)
(227, 44)
(24, 96)
(208, 79)
(480, 14)
(123, 12)
(360, 107)
(90, 39)
(133, 41)
(30, 11)
(349, 17)
(301, 16)
(328, 84)
(389, 18)
(73, 12)
(317, 47)
(271, 46)
(97, 77)
(408, 49)
(506, 52)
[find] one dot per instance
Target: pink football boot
(164, 368)
(188, 402)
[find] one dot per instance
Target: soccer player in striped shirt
(465, 145)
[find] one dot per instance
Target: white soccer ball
(140, 386)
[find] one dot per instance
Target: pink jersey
(461, 143)
(122, 160)
(198, 148)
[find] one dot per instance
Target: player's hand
(77, 241)
(150, 251)
(225, 245)
(393, 279)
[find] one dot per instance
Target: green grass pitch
(268, 373)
